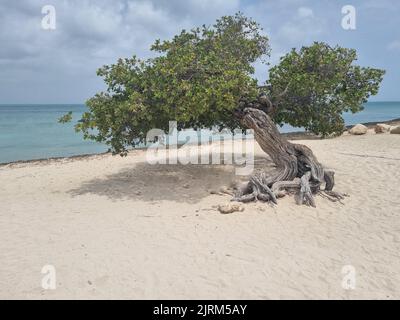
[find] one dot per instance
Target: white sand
(84, 217)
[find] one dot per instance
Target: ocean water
(32, 131)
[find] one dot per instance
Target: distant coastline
(31, 132)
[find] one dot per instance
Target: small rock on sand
(230, 208)
(382, 128)
(395, 130)
(358, 129)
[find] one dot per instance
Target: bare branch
(283, 93)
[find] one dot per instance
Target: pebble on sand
(230, 208)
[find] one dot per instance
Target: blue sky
(59, 66)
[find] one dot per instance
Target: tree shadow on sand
(181, 183)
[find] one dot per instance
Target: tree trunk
(297, 169)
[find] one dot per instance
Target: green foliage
(320, 83)
(197, 80)
(199, 77)
(65, 118)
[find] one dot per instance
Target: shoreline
(297, 135)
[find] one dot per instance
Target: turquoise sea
(32, 131)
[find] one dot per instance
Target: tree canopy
(202, 76)
(319, 84)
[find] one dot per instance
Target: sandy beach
(121, 228)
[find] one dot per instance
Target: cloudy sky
(59, 66)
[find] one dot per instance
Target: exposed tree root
(333, 196)
(298, 171)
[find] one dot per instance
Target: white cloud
(91, 33)
(302, 27)
(304, 12)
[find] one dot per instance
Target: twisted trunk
(297, 169)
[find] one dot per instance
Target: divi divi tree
(204, 78)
